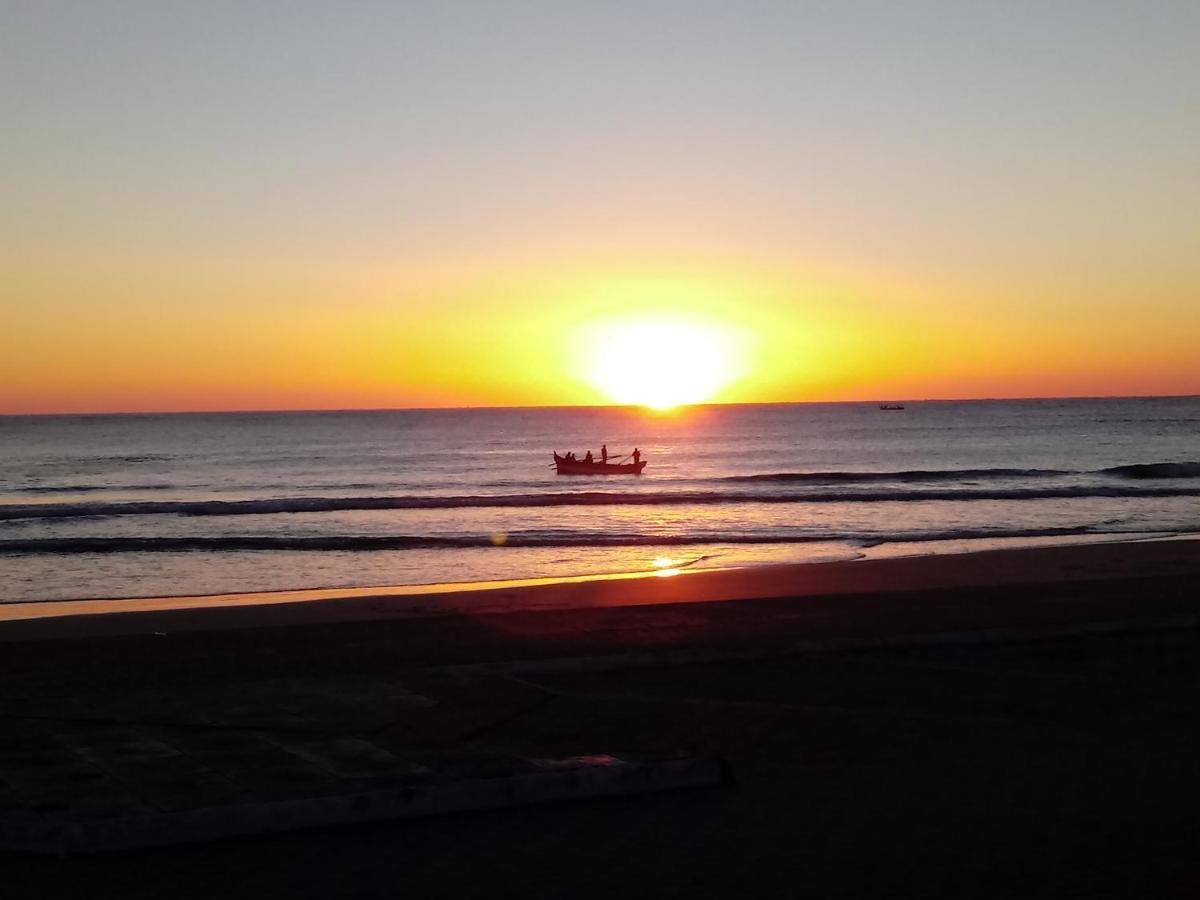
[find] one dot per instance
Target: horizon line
(628, 406)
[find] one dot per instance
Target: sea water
(152, 505)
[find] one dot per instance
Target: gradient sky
(313, 205)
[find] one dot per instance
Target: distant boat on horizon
(891, 406)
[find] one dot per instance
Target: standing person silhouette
(604, 453)
(637, 456)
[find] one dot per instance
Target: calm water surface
(145, 505)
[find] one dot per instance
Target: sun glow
(659, 362)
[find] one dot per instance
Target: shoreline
(863, 553)
(966, 572)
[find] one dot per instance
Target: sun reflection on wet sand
(665, 566)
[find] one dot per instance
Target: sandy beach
(1009, 723)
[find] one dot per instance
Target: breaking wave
(1138, 471)
(516, 539)
(1156, 470)
(582, 498)
(915, 475)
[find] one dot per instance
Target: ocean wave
(1135, 471)
(917, 475)
(88, 488)
(582, 498)
(1156, 470)
(366, 543)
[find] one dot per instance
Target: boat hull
(579, 467)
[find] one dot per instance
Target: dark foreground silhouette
(1032, 739)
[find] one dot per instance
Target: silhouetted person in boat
(588, 458)
(637, 456)
(604, 453)
(570, 455)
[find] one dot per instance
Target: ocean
(113, 506)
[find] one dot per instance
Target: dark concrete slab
(90, 773)
(177, 807)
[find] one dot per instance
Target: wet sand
(956, 579)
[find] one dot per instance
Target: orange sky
(218, 208)
(374, 338)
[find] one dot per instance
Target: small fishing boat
(891, 406)
(596, 467)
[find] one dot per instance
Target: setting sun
(659, 362)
